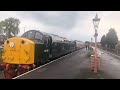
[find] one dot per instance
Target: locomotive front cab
(18, 50)
(42, 47)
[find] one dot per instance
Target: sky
(74, 25)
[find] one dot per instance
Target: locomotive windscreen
(34, 35)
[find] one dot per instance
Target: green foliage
(117, 47)
(103, 41)
(10, 27)
(1, 68)
(1, 51)
(111, 38)
(89, 53)
(90, 48)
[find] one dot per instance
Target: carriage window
(38, 36)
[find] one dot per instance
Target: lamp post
(96, 21)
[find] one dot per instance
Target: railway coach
(78, 45)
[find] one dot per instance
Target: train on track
(33, 48)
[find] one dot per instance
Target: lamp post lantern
(96, 21)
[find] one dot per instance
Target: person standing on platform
(87, 45)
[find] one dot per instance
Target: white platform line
(42, 65)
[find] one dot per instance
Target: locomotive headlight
(11, 44)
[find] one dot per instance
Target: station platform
(71, 66)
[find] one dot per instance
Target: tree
(117, 47)
(10, 27)
(111, 38)
(103, 41)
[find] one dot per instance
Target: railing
(114, 51)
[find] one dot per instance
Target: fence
(114, 51)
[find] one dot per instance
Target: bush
(1, 68)
(90, 48)
(1, 51)
(89, 53)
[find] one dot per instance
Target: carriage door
(47, 48)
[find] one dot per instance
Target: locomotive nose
(18, 51)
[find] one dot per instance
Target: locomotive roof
(49, 34)
(53, 36)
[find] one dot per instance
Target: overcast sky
(74, 25)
